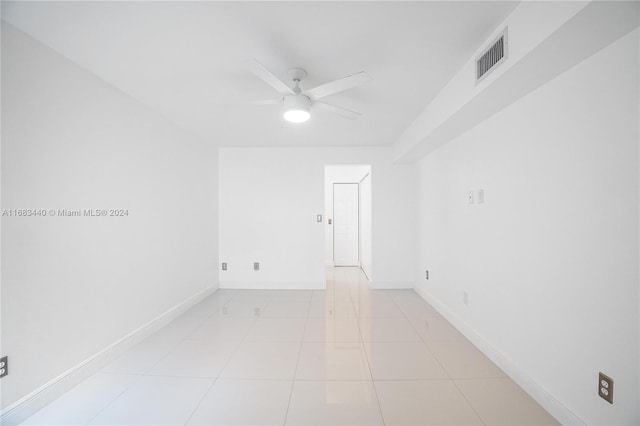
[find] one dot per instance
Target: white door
(345, 224)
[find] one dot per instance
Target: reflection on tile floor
(344, 355)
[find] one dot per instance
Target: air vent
(492, 57)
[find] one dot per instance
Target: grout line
(451, 379)
(215, 379)
(200, 401)
(373, 383)
(468, 402)
(295, 372)
(133, 383)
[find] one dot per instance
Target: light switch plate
(470, 197)
(480, 196)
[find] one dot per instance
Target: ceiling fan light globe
(296, 115)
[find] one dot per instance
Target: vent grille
(490, 58)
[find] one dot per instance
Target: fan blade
(268, 77)
(347, 113)
(337, 85)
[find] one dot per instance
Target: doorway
(348, 215)
(346, 224)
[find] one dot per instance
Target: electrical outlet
(4, 366)
(480, 196)
(465, 298)
(427, 274)
(605, 387)
(256, 266)
(256, 312)
(224, 266)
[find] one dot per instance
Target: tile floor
(345, 355)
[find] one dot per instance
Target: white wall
(72, 286)
(550, 261)
(366, 222)
(545, 39)
(269, 199)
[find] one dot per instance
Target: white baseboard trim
(273, 285)
(545, 399)
(391, 285)
(34, 401)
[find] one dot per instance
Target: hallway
(345, 355)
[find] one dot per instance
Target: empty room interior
(320, 213)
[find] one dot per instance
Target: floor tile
(286, 309)
(372, 307)
(462, 360)
(263, 360)
(195, 358)
(246, 307)
(82, 403)
(321, 308)
(290, 295)
(277, 329)
(321, 295)
(142, 357)
(428, 402)
(218, 328)
(344, 309)
(332, 361)
(416, 308)
(244, 402)
(333, 403)
(434, 329)
(344, 355)
(502, 402)
(155, 400)
(402, 360)
(387, 330)
(208, 306)
(331, 329)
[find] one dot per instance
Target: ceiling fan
(297, 104)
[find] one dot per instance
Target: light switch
(480, 196)
(470, 197)
(319, 218)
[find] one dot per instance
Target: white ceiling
(189, 60)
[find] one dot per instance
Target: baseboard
(546, 400)
(28, 405)
(273, 285)
(390, 285)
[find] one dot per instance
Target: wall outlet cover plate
(605, 387)
(4, 366)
